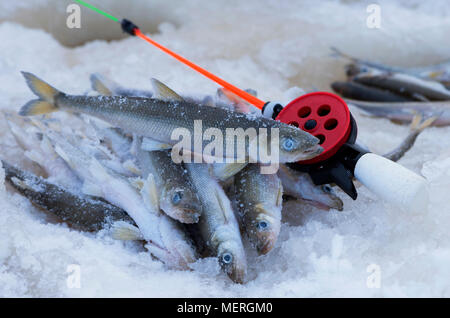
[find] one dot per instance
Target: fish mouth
(313, 151)
(189, 214)
(266, 247)
(238, 275)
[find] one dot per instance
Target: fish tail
(46, 93)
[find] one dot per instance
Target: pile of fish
(397, 93)
(115, 172)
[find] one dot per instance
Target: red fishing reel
(327, 117)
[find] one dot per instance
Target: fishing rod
(327, 117)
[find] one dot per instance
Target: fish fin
(223, 171)
(222, 207)
(135, 145)
(149, 192)
(420, 97)
(64, 156)
(162, 91)
(415, 122)
(208, 101)
(45, 92)
(280, 194)
(149, 144)
(427, 123)
(124, 231)
(137, 183)
(129, 165)
(35, 156)
(98, 85)
(92, 189)
(37, 107)
(252, 92)
(21, 184)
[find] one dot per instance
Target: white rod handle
(392, 182)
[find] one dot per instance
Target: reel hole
(323, 110)
(321, 139)
(304, 112)
(293, 123)
(330, 124)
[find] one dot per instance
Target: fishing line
(132, 29)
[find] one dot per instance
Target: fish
(166, 239)
(359, 91)
(416, 128)
(157, 119)
(259, 199)
(404, 112)
(405, 84)
(37, 149)
(174, 189)
(176, 196)
(83, 212)
(218, 226)
(438, 72)
(300, 186)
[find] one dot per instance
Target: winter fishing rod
(327, 117)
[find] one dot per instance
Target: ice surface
(266, 45)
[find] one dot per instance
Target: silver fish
(439, 72)
(175, 192)
(218, 225)
(300, 186)
(405, 112)
(363, 92)
(405, 84)
(166, 240)
(259, 199)
(84, 212)
(157, 119)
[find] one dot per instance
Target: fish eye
(177, 197)
(227, 258)
(288, 144)
(262, 225)
(327, 189)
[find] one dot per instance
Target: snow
(271, 46)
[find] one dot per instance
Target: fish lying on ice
(84, 212)
(176, 196)
(438, 72)
(38, 149)
(174, 189)
(166, 240)
(258, 199)
(157, 119)
(404, 112)
(218, 226)
(300, 186)
(359, 91)
(405, 84)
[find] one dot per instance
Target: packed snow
(275, 47)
